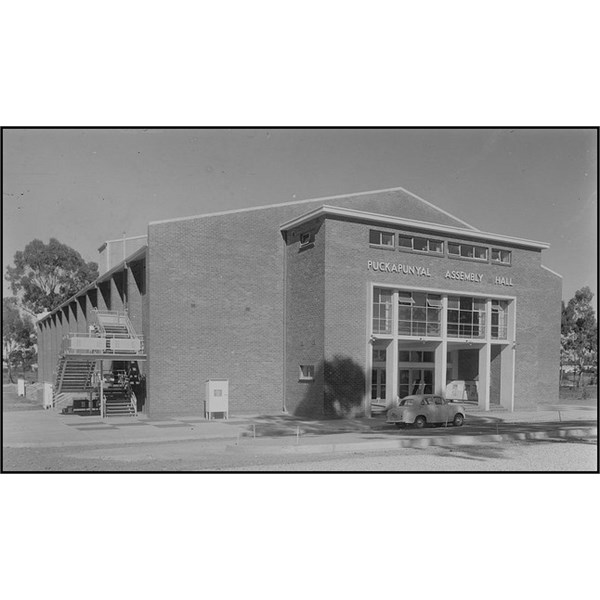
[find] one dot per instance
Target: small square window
(454, 249)
(467, 251)
(404, 241)
(420, 244)
(501, 256)
(453, 302)
(307, 372)
(436, 246)
(434, 301)
(304, 239)
(481, 252)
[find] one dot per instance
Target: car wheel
(458, 420)
(399, 425)
(420, 422)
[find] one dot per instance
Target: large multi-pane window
(419, 314)
(466, 317)
(382, 311)
(499, 319)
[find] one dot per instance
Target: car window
(424, 402)
(438, 400)
(406, 402)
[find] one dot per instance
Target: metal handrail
(106, 345)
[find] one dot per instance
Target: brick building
(336, 305)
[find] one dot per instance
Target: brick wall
(216, 306)
(216, 302)
(305, 304)
(537, 290)
(495, 370)
(216, 312)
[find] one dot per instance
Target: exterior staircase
(73, 378)
(111, 337)
(74, 375)
(118, 400)
(112, 323)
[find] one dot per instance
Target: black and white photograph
(234, 299)
(299, 299)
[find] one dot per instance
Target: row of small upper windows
(386, 239)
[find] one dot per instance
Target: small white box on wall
(217, 397)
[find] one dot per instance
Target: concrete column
(441, 352)
(507, 377)
(391, 366)
(488, 320)
(484, 376)
(508, 358)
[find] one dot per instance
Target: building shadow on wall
(337, 391)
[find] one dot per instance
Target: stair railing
(132, 399)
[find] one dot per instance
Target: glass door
(415, 381)
(378, 384)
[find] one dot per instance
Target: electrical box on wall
(217, 398)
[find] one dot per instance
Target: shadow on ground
(377, 429)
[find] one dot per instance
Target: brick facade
(232, 296)
(217, 303)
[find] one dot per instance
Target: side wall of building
(537, 359)
(304, 318)
(216, 306)
(127, 285)
(216, 302)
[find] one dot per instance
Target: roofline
(125, 239)
(378, 218)
(100, 279)
(551, 271)
(294, 202)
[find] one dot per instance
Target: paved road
(554, 455)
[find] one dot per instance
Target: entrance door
(415, 381)
(378, 384)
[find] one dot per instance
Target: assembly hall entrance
(458, 346)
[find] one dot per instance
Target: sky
(85, 186)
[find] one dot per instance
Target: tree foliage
(45, 275)
(579, 333)
(18, 336)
